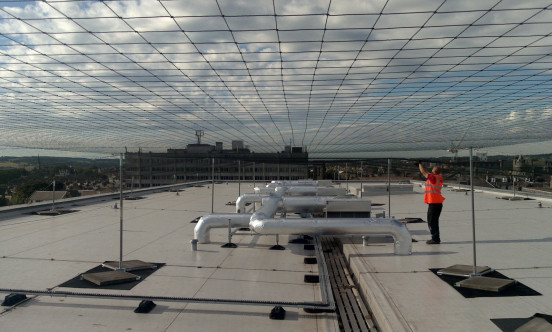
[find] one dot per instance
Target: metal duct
(219, 220)
(262, 222)
(248, 198)
(269, 208)
(310, 204)
(264, 190)
(337, 226)
(302, 190)
(294, 204)
(274, 184)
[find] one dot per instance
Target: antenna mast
(199, 133)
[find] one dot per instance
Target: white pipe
(302, 190)
(305, 204)
(248, 198)
(262, 222)
(268, 209)
(310, 204)
(280, 191)
(264, 190)
(292, 183)
(337, 226)
(297, 204)
(219, 220)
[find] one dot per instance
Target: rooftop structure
(204, 161)
(42, 195)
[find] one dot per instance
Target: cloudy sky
(343, 78)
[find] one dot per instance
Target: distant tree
(73, 193)
(24, 191)
(11, 175)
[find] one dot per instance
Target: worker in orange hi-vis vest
(434, 200)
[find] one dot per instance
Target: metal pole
(328, 303)
(239, 178)
(289, 170)
(389, 185)
(347, 176)
(121, 211)
(229, 231)
(254, 175)
(212, 185)
(361, 175)
(514, 185)
(473, 214)
(54, 195)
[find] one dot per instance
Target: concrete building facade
(195, 163)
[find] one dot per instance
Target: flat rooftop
(513, 237)
(39, 252)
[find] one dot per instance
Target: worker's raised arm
(424, 171)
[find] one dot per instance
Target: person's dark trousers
(433, 213)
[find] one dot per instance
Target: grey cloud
(348, 86)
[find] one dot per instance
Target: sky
(341, 78)
(26, 152)
(512, 150)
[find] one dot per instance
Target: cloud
(148, 73)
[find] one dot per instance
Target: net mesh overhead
(338, 77)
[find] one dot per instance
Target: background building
(195, 163)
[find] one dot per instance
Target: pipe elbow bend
(201, 231)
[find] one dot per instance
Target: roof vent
(13, 299)
(144, 307)
(277, 313)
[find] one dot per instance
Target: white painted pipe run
(303, 205)
(248, 198)
(310, 204)
(219, 220)
(296, 204)
(301, 190)
(283, 183)
(338, 226)
(292, 189)
(263, 221)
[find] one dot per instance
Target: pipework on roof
(263, 222)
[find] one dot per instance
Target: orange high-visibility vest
(433, 191)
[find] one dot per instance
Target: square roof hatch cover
(130, 265)
(460, 270)
(536, 324)
(110, 277)
(486, 283)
